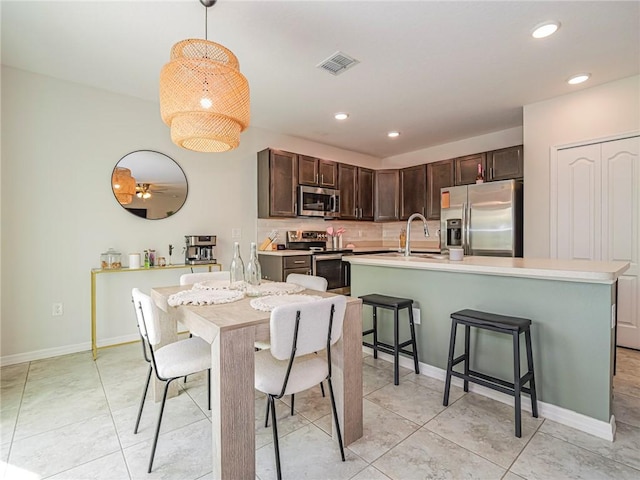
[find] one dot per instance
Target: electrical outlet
(56, 310)
(416, 315)
(236, 233)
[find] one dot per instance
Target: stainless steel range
(325, 263)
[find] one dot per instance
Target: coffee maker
(199, 249)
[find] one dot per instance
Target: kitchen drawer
(298, 261)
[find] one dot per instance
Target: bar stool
(513, 326)
(395, 304)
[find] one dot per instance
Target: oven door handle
(319, 258)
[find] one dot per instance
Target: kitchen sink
(433, 256)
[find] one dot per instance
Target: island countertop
(543, 268)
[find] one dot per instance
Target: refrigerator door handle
(467, 229)
(464, 227)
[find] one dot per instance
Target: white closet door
(595, 215)
(620, 219)
(577, 204)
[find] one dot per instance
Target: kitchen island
(571, 304)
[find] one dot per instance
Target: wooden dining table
(231, 329)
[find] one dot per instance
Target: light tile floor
(72, 418)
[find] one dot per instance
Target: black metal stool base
(513, 326)
(396, 304)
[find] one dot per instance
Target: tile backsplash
(361, 234)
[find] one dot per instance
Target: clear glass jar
(111, 259)
(254, 272)
(236, 268)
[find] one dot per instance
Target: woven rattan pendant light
(123, 184)
(203, 96)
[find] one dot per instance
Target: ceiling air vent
(337, 63)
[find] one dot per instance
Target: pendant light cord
(207, 4)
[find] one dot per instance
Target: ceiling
(435, 71)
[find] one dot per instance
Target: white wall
(593, 113)
(60, 144)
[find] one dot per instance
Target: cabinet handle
(299, 261)
(322, 179)
(316, 178)
(491, 173)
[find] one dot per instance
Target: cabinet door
(439, 175)
(348, 186)
(413, 188)
(307, 170)
(327, 174)
(466, 168)
(386, 195)
(505, 164)
(283, 183)
(365, 193)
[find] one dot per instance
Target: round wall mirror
(149, 184)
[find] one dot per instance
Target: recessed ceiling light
(576, 79)
(393, 134)
(341, 116)
(545, 29)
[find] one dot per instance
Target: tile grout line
(113, 421)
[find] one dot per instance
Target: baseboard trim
(45, 353)
(66, 350)
(592, 426)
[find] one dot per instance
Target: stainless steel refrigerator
(483, 219)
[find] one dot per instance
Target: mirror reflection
(149, 184)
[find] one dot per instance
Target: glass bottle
(254, 272)
(237, 265)
(480, 176)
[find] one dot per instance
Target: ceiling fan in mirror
(146, 190)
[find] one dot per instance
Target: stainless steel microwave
(318, 202)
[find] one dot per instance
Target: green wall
(571, 332)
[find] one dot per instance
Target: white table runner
(266, 304)
(204, 297)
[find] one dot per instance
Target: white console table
(97, 271)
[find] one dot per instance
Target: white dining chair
(191, 278)
(170, 362)
(290, 366)
(311, 282)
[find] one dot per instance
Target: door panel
(621, 216)
(578, 203)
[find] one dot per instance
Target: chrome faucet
(407, 250)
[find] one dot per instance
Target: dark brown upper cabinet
(413, 191)
(439, 175)
(466, 168)
(505, 163)
(277, 183)
(356, 192)
(317, 172)
(386, 195)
